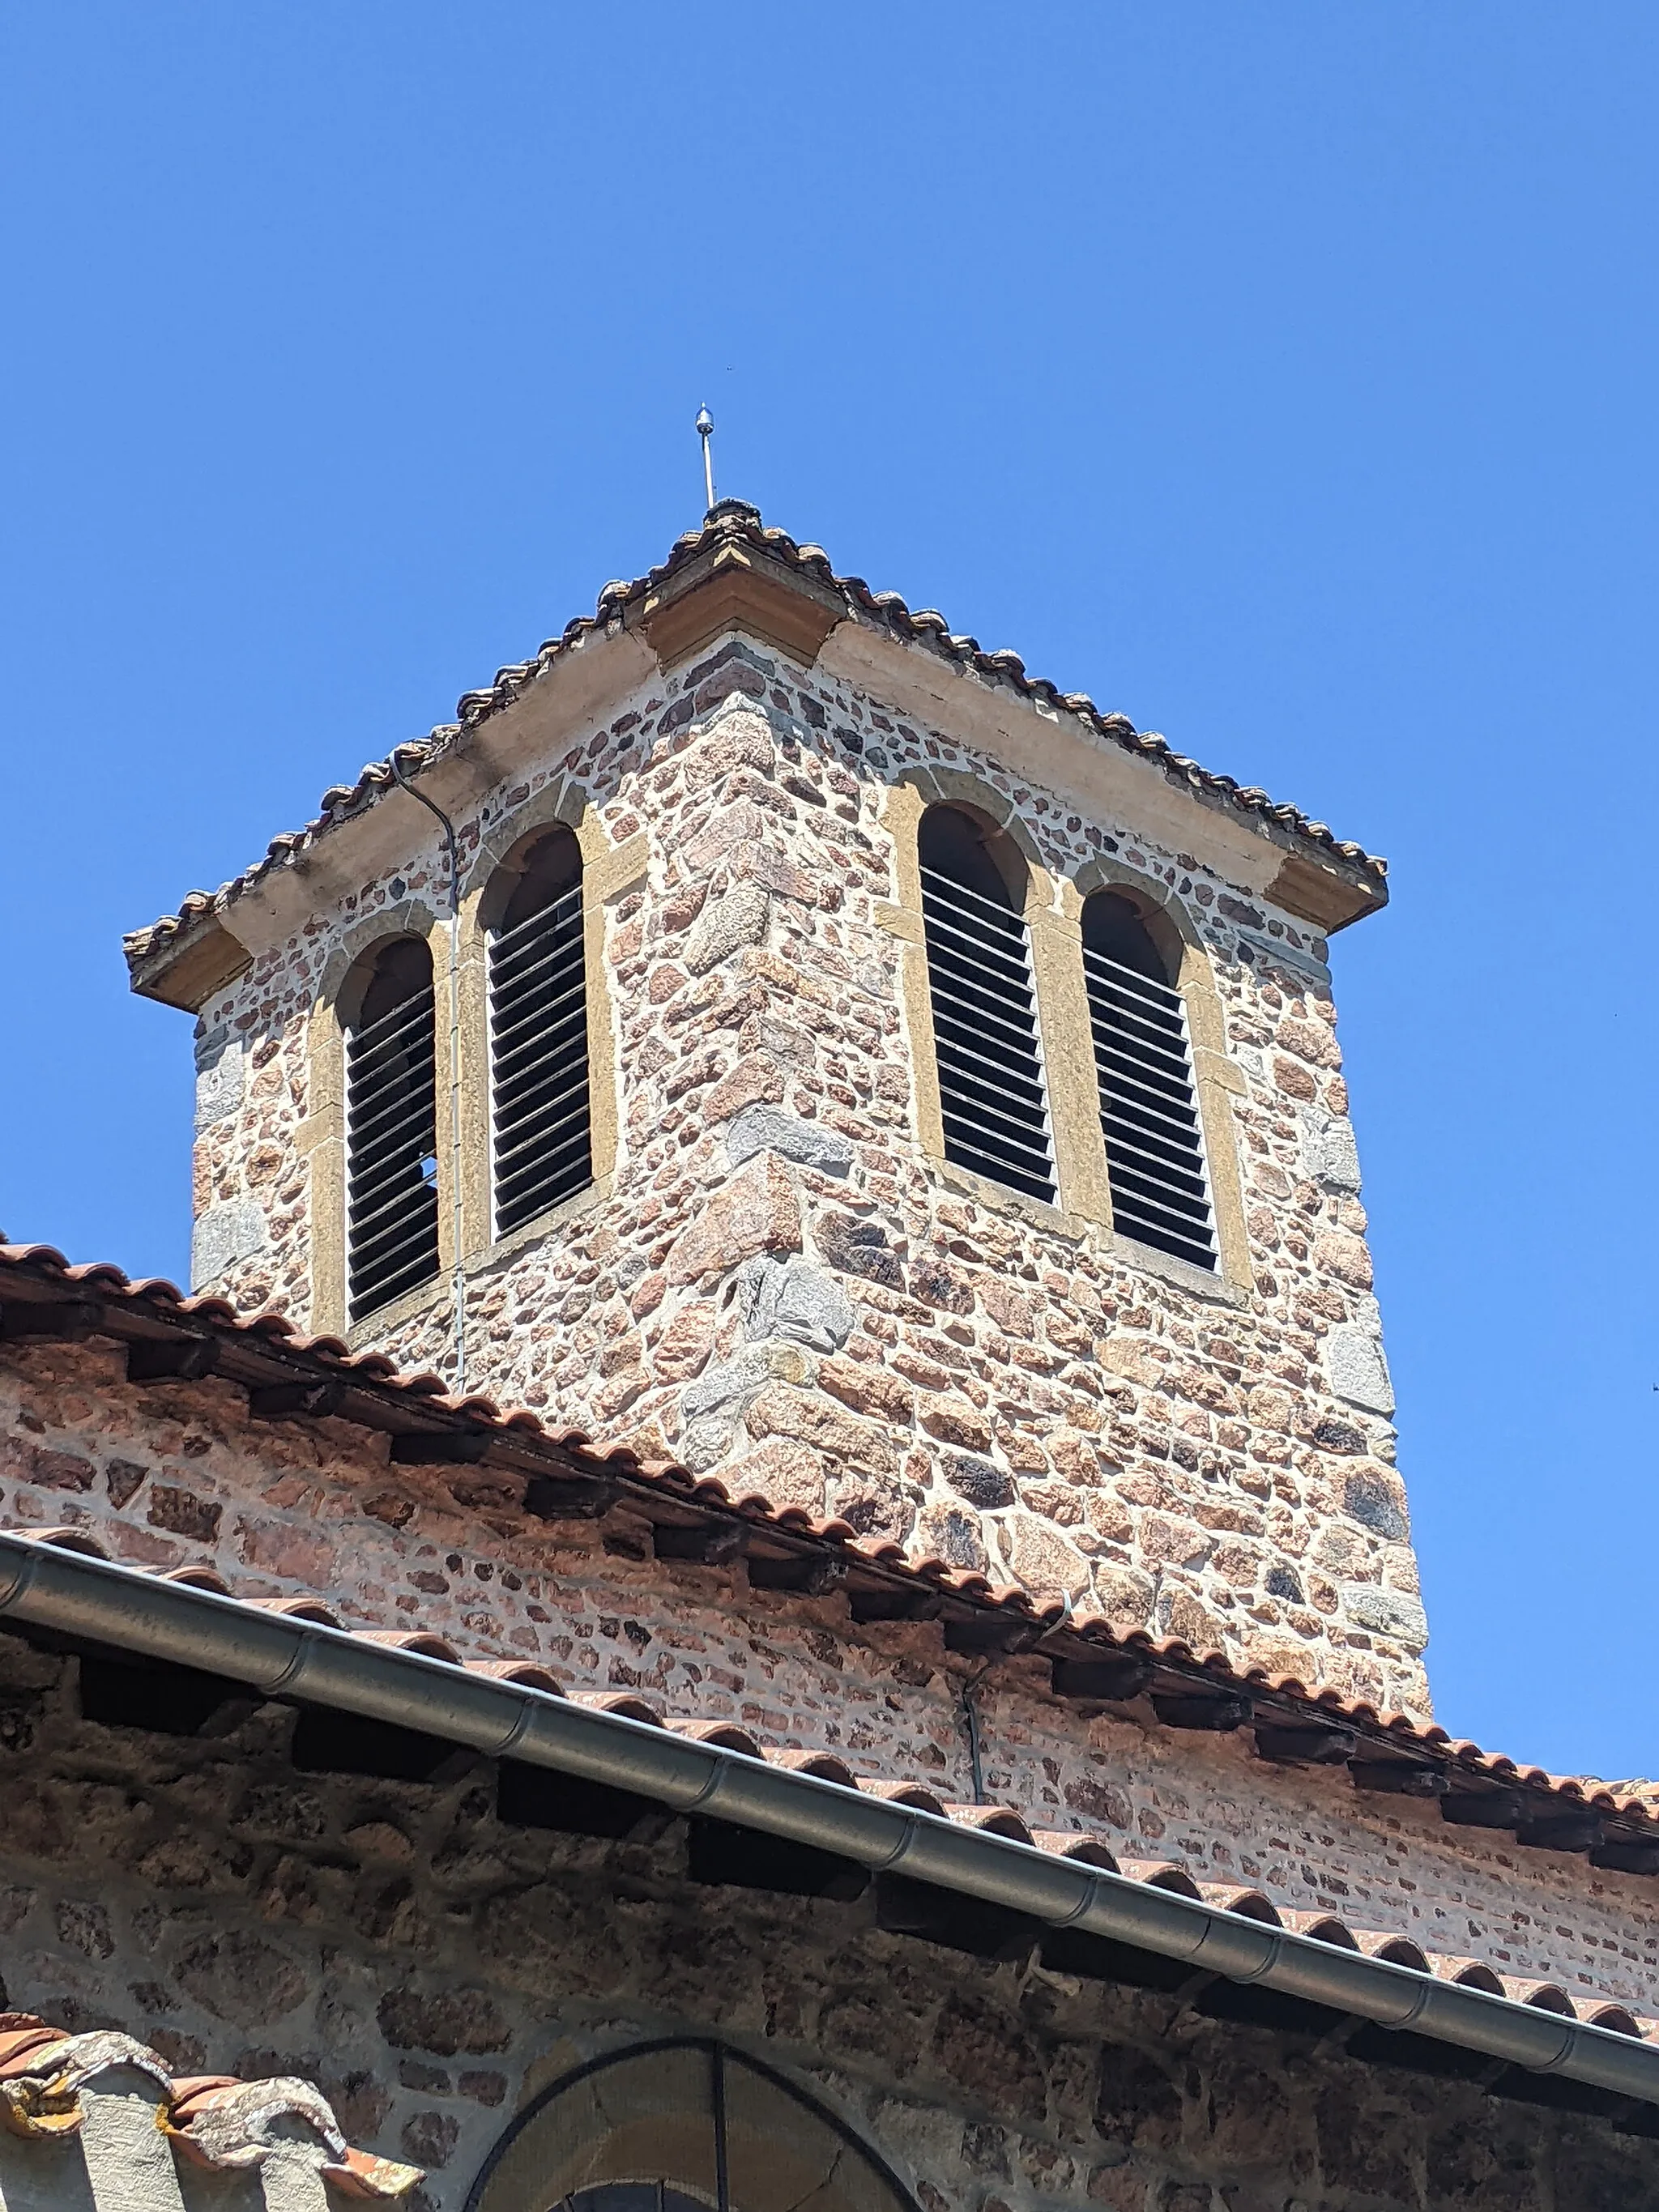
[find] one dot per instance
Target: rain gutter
(72, 1594)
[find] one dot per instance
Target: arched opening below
(1114, 928)
(667, 2126)
(1149, 1111)
(391, 1126)
(992, 1095)
(540, 1111)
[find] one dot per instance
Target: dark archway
(683, 2123)
(541, 1116)
(391, 1124)
(993, 1096)
(1149, 1113)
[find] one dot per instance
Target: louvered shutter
(542, 1136)
(1148, 1104)
(991, 1093)
(392, 1132)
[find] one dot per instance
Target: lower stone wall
(176, 1474)
(433, 1969)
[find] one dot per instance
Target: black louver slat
(985, 1037)
(539, 1060)
(391, 1140)
(1149, 1111)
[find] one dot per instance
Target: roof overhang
(277, 1656)
(735, 574)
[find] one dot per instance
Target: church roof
(828, 598)
(559, 1475)
(978, 1874)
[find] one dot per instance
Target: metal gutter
(49, 1586)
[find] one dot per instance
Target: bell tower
(880, 1082)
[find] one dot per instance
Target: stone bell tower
(965, 1151)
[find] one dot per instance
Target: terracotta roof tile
(24, 2038)
(381, 1396)
(214, 2120)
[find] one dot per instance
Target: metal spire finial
(706, 431)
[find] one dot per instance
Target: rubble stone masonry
(171, 1475)
(433, 1968)
(776, 1279)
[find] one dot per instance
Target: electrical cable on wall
(459, 1277)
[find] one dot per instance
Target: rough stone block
(220, 1076)
(791, 1298)
(1386, 1611)
(757, 1212)
(767, 1129)
(1359, 1370)
(1047, 1562)
(735, 1380)
(1329, 1148)
(224, 1236)
(725, 925)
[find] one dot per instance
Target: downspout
(305, 1664)
(459, 1289)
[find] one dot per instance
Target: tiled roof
(563, 1476)
(621, 606)
(1006, 1822)
(214, 2120)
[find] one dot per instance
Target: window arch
(993, 1096)
(683, 2126)
(1149, 1107)
(391, 1126)
(541, 1117)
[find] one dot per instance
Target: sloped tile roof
(620, 606)
(1006, 1821)
(199, 1336)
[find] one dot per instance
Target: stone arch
(1073, 1116)
(338, 990)
(1009, 841)
(707, 2122)
(1172, 924)
(607, 871)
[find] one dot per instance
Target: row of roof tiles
(215, 2120)
(377, 1382)
(1001, 1820)
(618, 601)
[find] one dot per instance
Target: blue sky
(1280, 374)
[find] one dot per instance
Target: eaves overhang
(552, 1476)
(1056, 1886)
(736, 573)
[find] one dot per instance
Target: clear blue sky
(1282, 375)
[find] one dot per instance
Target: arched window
(541, 1131)
(1148, 1103)
(391, 1128)
(991, 1094)
(682, 2126)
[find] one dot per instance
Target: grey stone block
(1386, 1613)
(768, 1129)
(1369, 1499)
(1358, 1370)
(724, 924)
(734, 1382)
(220, 1076)
(1332, 1156)
(791, 1298)
(223, 1236)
